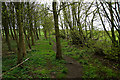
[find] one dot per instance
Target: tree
(58, 45)
(113, 19)
(22, 51)
(5, 24)
(30, 23)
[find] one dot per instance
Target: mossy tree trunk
(30, 22)
(21, 52)
(58, 45)
(5, 24)
(45, 34)
(36, 29)
(13, 24)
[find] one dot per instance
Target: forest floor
(41, 64)
(74, 68)
(76, 62)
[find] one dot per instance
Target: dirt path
(74, 68)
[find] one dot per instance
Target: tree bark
(36, 29)
(11, 32)
(49, 39)
(27, 38)
(58, 45)
(39, 32)
(22, 24)
(30, 22)
(21, 51)
(45, 34)
(112, 28)
(5, 24)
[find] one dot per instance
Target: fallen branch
(13, 67)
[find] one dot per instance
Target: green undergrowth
(92, 67)
(42, 63)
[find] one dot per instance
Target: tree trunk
(112, 28)
(27, 39)
(58, 45)
(91, 30)
(22, 24)
(39, 32)
(6, 28)
(11, 32)
(36, 30)
(45, 34)
(3, 32)
(5, 24)
(49, 39)
(15, 35)
(31, 25)
(21, 51)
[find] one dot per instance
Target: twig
(13, 67)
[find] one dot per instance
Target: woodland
(73, 39)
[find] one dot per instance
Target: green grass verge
(92, 67)
(42, 63)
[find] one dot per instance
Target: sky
(49, 2)
(97, 23)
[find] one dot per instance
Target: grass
(92, 67)
(42, 63)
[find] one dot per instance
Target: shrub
(53, 33)
(112, 53)
(99, 51)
